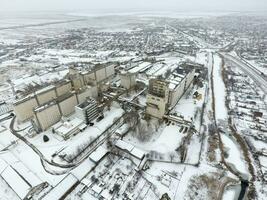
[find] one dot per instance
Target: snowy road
(253, 73)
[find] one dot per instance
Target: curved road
(42, 157)
(257, 77)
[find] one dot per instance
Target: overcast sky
(130, 5)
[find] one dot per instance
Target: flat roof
(57, 192)
(28, 175)
(46, 89)
(64, 97)
(138, 153)
(62, 82)
(97, 189)
(28, 97)
(44, 106)
(98, 154)
(67, 127)
(140, 67)
(16, 182)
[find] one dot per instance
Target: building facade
(128, 80)
(157, 97)
(87, 111)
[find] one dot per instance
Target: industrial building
(63, 87)
(128, 80)
(164, 94)
(157, 97)
(50, 113)
(67, 103)
(20, 179)
(24, 107)
(46, 94)
(87, 111)
(95, 76)
(47, 106)
(179, 81)
(68, 128)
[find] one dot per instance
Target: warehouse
(20, 179)
(96, 75)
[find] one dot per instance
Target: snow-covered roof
(97, 189)
(66, 127)
(27, 174)
(138, 153)
(98, 154)
(124, 145)
(106, 195)
(46, 89)
(3, 165)
(16, 182)
(122, 129)
(139, 67)
(60, 189)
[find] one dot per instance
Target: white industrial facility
(48, 105)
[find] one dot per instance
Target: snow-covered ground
(166, 140)
(219, 89)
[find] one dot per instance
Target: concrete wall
(88, 92)
(67, 106)
(189, 78)
(101, 75)
(110, 70)
(48, 117)
(176, 94)
(77, 83)
(63, 89)
(156, 106)
(128, 80)
(46, 96)
(24, 110)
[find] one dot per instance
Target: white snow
(14, 180)
(219, 90)
(164, 142)
(58, 191)
(98, 154)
